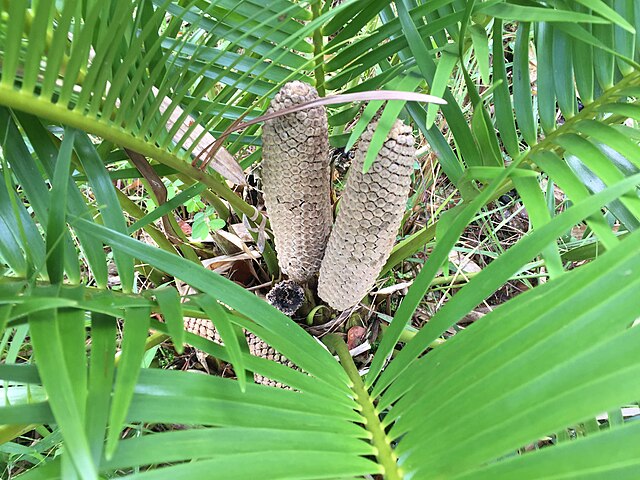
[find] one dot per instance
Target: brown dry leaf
(133, 185)
(393, 288)
(223, 263)
(346, 98)
(463, 263)
(533, 64)
(222, 162)
(242, 273)
(240, 230)
(558, 194)
(233, 239)
(578, 231)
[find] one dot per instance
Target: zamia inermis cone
(295, 178)
(370, 214)
(257, 346)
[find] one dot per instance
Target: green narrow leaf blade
(563, 73)
(481, 48)
(109, 206)
(52, 367)
(546, 86)
(218, 316)
(485, 135)
(522, 96)
(536, 205)
(136, 328)
(57, 216)
(169, 302)
(446, 63)
(101, 374)
(73, 334)
(501, 96)
(610, 454)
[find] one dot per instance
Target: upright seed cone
(295, 177)
(370, 213)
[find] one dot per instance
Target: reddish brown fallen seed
(257, 347)
(370, 214)
(295, 178)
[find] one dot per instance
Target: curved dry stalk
(369, 95)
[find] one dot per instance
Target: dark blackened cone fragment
(286, 296)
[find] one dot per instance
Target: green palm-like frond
(162, 78)
(132, 72)
(476, 380)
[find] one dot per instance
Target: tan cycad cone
(257, 346)
(295, 177)
(370, 214)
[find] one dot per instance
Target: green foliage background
(82, 80)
